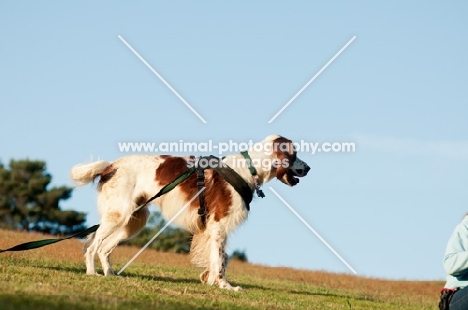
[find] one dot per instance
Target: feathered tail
(85, 173)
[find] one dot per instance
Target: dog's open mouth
(295, 180)
(290, 178)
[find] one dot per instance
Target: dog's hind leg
(93, 244)
(124, 232)
(105, 247)
(105, 234)
(89, 252)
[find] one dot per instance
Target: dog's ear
(283, 156)
(280, 170)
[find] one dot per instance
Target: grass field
(54, 277)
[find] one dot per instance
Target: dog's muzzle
(298, 170)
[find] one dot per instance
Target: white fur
(84, 173)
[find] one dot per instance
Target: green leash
(40, 243)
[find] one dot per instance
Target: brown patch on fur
(113, 217)
(140, 200)
(218, 197)
(107, 174)
(170, 169)
(283, 150)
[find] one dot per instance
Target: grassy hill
(54, 277)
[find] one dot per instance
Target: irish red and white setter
(130, 181)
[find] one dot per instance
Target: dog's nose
(307, 169)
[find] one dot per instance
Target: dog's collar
(253, 172)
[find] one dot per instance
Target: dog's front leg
(215, 274)
(222, 280)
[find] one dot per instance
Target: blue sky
(71, 90)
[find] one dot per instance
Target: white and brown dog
(130, 181)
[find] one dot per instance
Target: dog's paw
(232, 288)
(227, 286)
(109, 273)
(237, 289)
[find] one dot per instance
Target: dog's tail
(85, 173)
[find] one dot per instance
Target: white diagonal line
(313, 230)
(162, 229)
(163, 80)
(311, 80)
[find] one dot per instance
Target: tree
(239, 255)
(171, 239)
(27, 204)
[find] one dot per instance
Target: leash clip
(258, 190)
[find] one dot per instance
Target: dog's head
(289, 167)
(286, 166)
